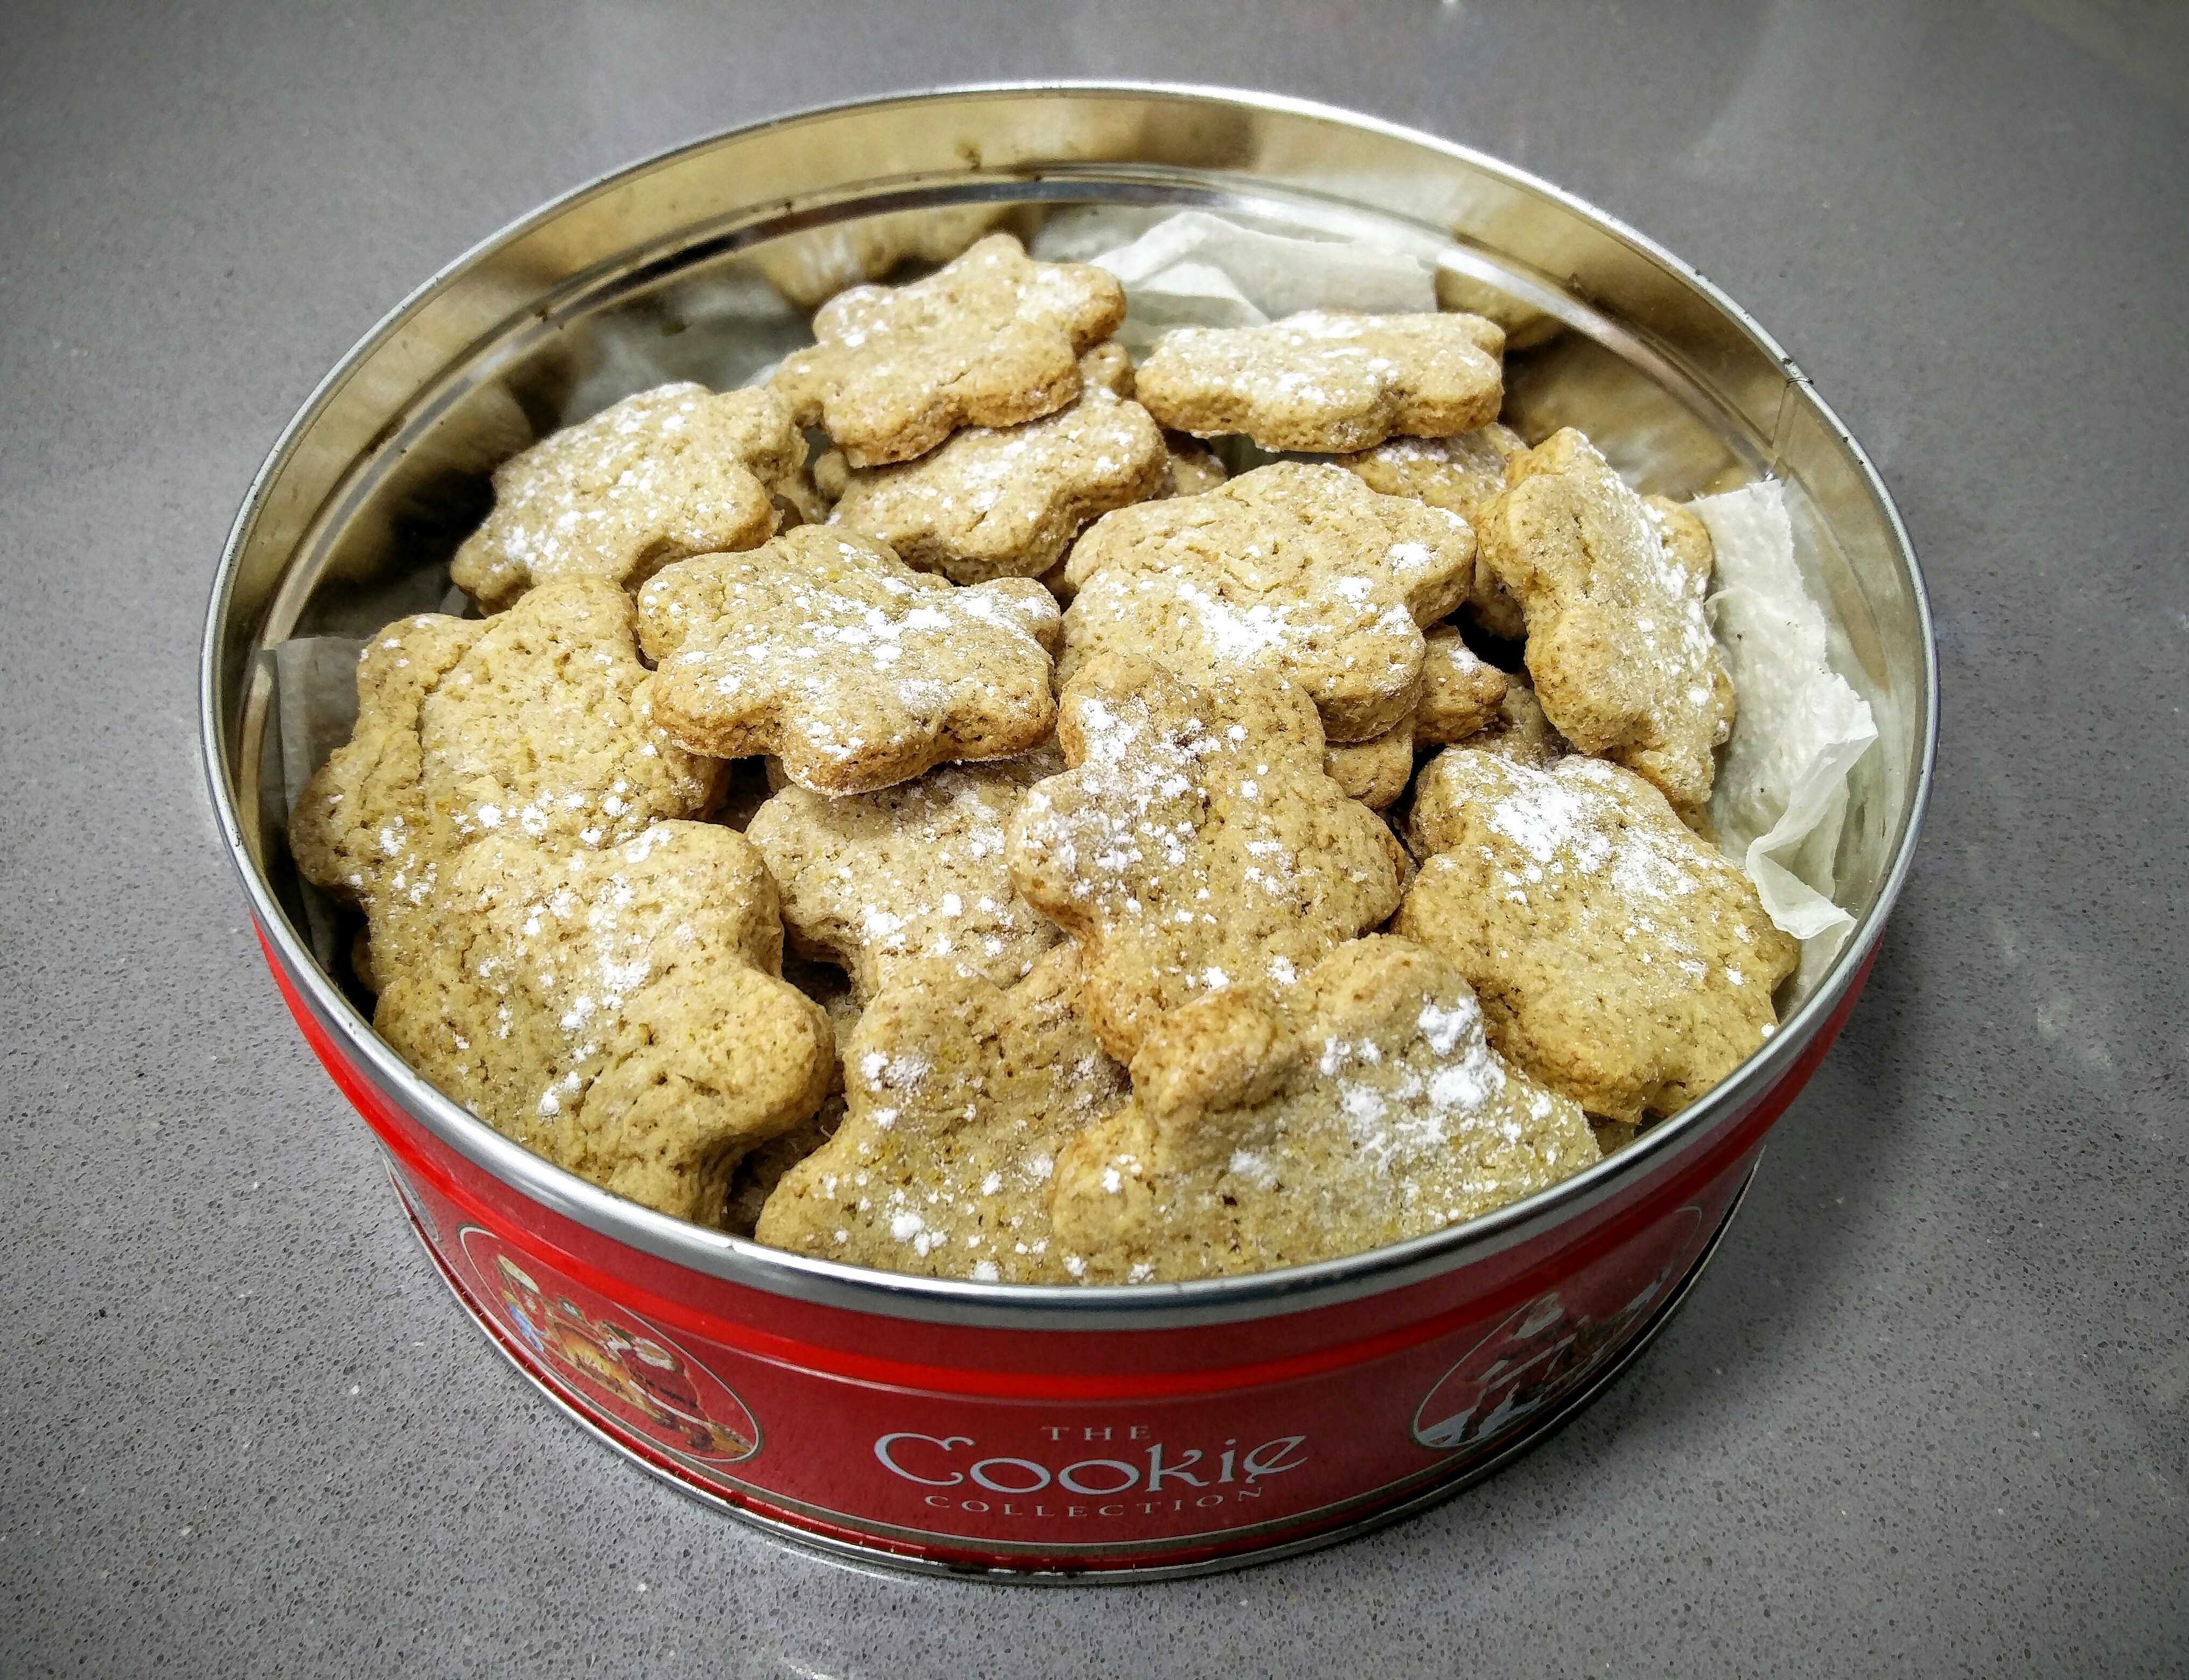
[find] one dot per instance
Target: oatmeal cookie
(1362, 1107)
(616, 1010)
(1195, 844)
(1327, 381)
(1460, 474)
(887, 882)
(668, 473)
(1618, 958)
(993, 339)
(1618, 646)
(960, 1096)
(1297, 569)
(857, 672)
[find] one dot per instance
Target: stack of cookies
(1172, 887)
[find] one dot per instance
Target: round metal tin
(1051, 1432)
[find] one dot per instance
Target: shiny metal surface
(659, 269)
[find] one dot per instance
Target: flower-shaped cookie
(1459, 473)
(960, 1096)
(618, 1011)
(1327, 380)
(1362, 1107)
(857, 672)
(1196, 845)
(998, 504)
(993, 339)
(886, 882)
(1618, 958)
(1621, 655)
(668, 473)
(1297, 569)
(813, 265)
(535, 722)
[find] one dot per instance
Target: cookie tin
(1039, 1433)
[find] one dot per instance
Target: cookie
(668, 473)
(813, 266)
(1327, 381)
(1459, 474)
(959, 1097)
(1362, 1107)
(1108, 366)
(617, 1011)
(1518, 730)
(536, 721)
(1006, 504)
(1620, 655)
(993, 339)
(1620, 960)
(1461, 691)
(884, 883)
(1297, 569)
(857, 672)
(1191, 468)
(1195, 844)
(762, 1167)
(1376, 770)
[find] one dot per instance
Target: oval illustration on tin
(1540, 1353)
(609, 1358)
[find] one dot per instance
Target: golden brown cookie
(1524, 326)
(993, 339)
(1376, 770)
(535, 722)
(857, 672)
(1362, 1107)
(1618, 958)
(884, 883)
(763, 1165)
(1006, 504)
(1460, 692)
(617, 1011)
(658, 476)
(960, 1096)
(1459, 474)
(1518, 730)
(1621, 656)
(1327, 381)
(1191, 468)
(1195, 844)
(1108, 366)
(1295, 569)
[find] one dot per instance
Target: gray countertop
(1929, 1411)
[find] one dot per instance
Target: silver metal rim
(1056, 1307)
(878, 1559)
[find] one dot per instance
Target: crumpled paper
(1195, 270)
(1781, 794)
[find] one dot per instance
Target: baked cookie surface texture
(993, 339)
(1362, 1106)
(1327, 380)
(1618, 649)
(668, 473)
(960, 1096)
(1460, 692)
(1459, 473)
(534, 722)
(857, 672)
(885, 883)
(1295, 569)
(1195, 844)
(1618, 958)
(617, 1011)
(995, 504)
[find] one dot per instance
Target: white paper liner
(1195, 270)
(1781, 794)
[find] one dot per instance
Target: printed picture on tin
(614, 1360)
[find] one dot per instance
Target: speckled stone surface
(1928, 1414)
